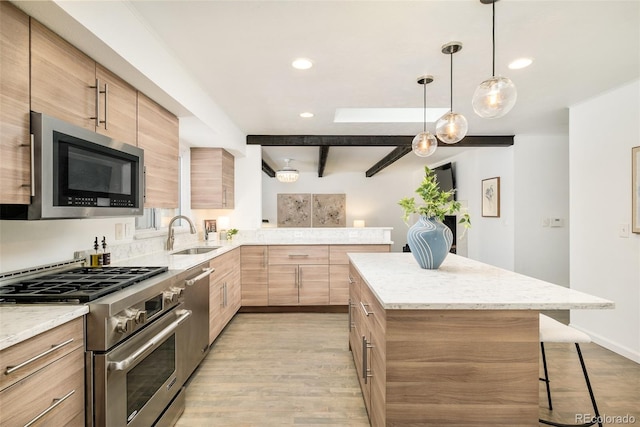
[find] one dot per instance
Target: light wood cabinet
(443, 367)
(69, 85)
(255, 275)
(15, 168)
(118, 113)
(339, 269)
(224, 291)
(212, 178)
(53, 381)
(61, 78)
(367, 325)
(299, 275)
(158, 137)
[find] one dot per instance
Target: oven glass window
(149, 375)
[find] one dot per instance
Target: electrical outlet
(127, 230)
(623, 230)
(119, 231)
(556, 222)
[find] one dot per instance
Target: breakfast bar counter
(453, 346)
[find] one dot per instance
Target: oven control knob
(125, 324)
(140, 316)
(170, 297)
(177, 291)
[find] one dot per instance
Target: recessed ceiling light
(302, 64)
(520, 63)
(306, 115)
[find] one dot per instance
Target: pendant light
(287, 173)
(451, 127)
(496, 96)
(424, 144)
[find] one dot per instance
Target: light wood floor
(295, 369)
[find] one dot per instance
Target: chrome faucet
(171, 237)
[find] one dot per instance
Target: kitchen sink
(197, 250)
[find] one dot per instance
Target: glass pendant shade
(424, 144)
(494, 97)
(287, 174)
(451, 128)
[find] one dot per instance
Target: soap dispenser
(96, 258)
(106, 255)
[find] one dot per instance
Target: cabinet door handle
(106, 105)
(225, 294)
(97, 104)
(33, 163)
(12, 369)
(364, 308)
(351, 279)
(56, 402)
(299, 276)
(222, 295)
(224, 196)
(366, 372)
(349, 316)
(264, 258)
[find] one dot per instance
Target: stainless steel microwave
(77, 173)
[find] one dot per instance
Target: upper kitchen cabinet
(212, 178)
(15, 169)
(69, 85)
(158, 137)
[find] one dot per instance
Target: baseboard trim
(610, 345)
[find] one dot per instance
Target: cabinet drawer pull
(11, 369)
(351, 280)
(298, 255)
(364, 308)
(56, 402)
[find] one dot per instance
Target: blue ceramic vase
(429, 240)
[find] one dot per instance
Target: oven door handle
(126, 363)
(205, 272)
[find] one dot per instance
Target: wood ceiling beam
(396, 154)
(370, 140)
(268, 169)
(322, 159)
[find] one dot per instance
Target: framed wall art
(491, 197)
(635, 188)
(329, 210)
(294, 210)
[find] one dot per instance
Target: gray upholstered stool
(553, 331)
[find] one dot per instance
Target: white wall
(374, 199)
(602, 132)
(491, 240)
(541, 175)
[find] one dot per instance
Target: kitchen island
(453, 346)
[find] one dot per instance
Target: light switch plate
(623, 230)
(119, 231)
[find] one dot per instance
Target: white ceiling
(369, 54)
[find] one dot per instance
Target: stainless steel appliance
(77, 173)
(139, 340)
(197, 301)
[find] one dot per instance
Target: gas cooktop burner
(82, 284)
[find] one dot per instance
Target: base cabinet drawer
(52, 396)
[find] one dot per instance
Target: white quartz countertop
(21, 322)
(460, 283)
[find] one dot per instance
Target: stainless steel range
(139, 341)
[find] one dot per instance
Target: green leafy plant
(231, 232)
(437, 203)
